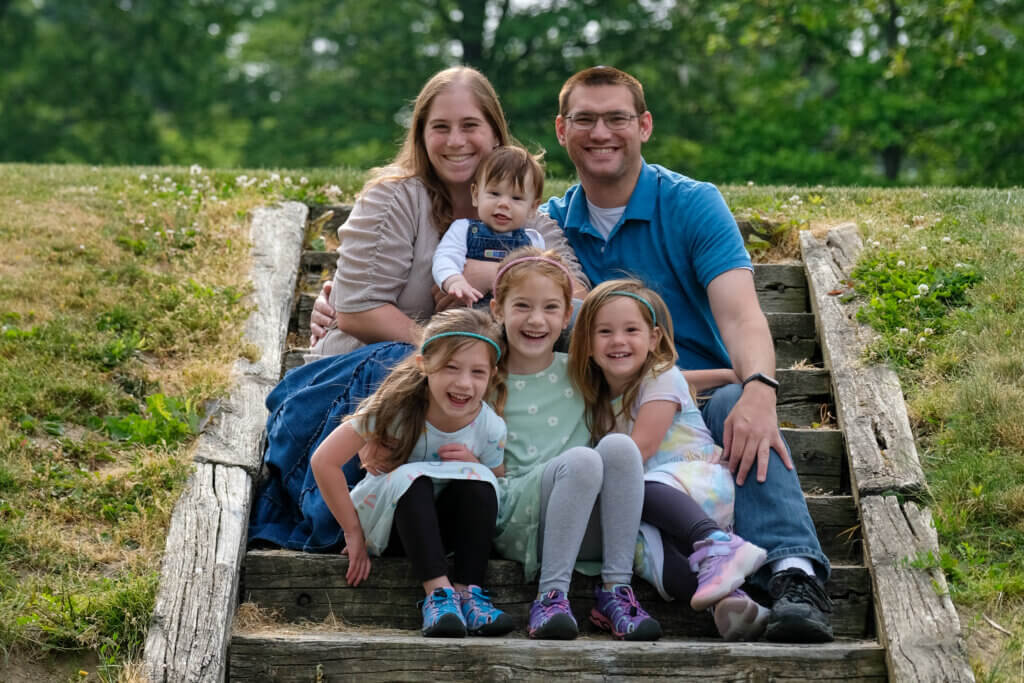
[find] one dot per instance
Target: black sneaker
(801, 609)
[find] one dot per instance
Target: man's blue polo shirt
(676, 235)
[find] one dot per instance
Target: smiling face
(620, 341)
(534, 313)
(457, 136)
(457, 387)
(603, 156)
(503, 205)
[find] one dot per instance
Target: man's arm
(752, 427)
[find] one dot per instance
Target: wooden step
(781, 287)
(359, 654)
(309, 586)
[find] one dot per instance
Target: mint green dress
(544, 414)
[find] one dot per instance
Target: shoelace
(625, 594)
(434, 601)
(550, 603)
(800, 588)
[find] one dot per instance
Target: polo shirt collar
(641, 204)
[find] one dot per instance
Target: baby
(506, 194)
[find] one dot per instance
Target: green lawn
(122, 292)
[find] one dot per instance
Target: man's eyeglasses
(613, 120)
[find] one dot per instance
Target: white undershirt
(605, 219)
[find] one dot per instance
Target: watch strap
(764, 379)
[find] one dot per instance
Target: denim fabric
(774, 514)
(307, 404)
(484, 244)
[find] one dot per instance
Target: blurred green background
(862, 92)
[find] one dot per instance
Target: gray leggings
(590, 504)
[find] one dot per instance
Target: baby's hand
(456, 452)
(375, 458)
(459, 287)
(358, 559)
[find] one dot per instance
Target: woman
(383, 284)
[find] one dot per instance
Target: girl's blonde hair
(398, 409)
(589, 378)
(412, 160)
(538, 262)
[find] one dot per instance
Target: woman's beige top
(387, 248)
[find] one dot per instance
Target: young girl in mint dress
(442, 447)
(623, 363)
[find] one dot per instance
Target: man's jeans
(774, 514)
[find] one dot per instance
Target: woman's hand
(358, 558)
(456, 452)
(375, 458)
(322, 318)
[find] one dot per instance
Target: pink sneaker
(738, 617)
(722, 567)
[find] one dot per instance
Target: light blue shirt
(676, 235)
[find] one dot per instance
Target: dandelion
(901, 263)
(303, 180)
(922, 288)
(195, 169)
(947, 239)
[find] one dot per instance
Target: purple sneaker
(481, 616)
(618, 611)
(722, 567)
(551, 618)
(738, 617)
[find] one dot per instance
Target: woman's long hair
(398, 409)
(589, 378)
(412, 160)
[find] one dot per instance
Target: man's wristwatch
(765, 379)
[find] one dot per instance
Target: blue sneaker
(481, 616)
(442, 614)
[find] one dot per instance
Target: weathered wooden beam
(868, 399)
(368, 656)
(781, 287)
(916, 620)
(195, 604)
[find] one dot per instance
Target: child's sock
(801, 563)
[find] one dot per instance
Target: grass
(122, 292)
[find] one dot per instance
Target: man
(626, 217)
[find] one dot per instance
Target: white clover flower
(81, 246)
(794, 198)
(750, 183)
(195, 169)
(901, 263)
(959, 265)
(303, 180)
(333, 191)
(142, 176)
(924, 248)
(904, 330)
(921, 340)
(929, 330)
(287, 180)
(274, 177)
(922, 288)
(917, 296)
(877, 243)
(947, 239)
(240, 179)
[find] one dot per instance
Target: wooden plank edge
(880, 444)
(915, 617)
(190, 627)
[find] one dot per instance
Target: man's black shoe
(801, 609)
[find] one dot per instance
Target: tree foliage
(855, 92)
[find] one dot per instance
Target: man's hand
(751, 429)
(375, 458)
(456, 452)
(459, 287)
(322, 318)
(358, 559)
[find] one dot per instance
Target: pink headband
(513, 262)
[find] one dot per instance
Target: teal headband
(474, 335)
(639, 298)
